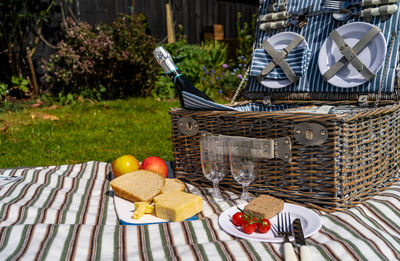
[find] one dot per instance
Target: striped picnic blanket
(67, 212)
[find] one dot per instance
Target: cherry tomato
(238, 218)
(263, 226)
(249, 227)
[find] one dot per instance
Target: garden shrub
(104, 61)
(219, 81)
(207, 66)
(246, 38)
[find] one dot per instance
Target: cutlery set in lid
(351, 53)
(340, 10)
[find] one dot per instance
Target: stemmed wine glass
(243, 158)
(213, 153)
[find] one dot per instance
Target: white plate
(373, 55)
(280, 41)
(125, 209)
(310, 221)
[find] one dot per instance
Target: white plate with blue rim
(280, 41)
(125, 208)
(310, 221)
(373, 55)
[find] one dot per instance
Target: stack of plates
(373, 55)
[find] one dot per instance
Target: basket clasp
(188, 126)
(310, 134)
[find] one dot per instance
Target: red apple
(155, 164)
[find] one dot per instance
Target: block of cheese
(264, 206)
(173, 185)
(177, 205)
(140, 185)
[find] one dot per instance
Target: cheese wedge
(177, 205)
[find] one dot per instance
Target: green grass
(102, 131)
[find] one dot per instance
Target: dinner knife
(305, 254)
(298, 21)
(271, 17)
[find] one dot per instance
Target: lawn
(54, 135)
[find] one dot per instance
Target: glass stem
(216, 192)
(245, 192)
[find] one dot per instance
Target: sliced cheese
(177, 205)
(139, 212)
(142, 208)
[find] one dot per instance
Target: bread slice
(139, 185)
(173, 185)
(264, 206)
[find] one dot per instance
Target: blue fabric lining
(193, 102)
(253, 106)
(315, 33)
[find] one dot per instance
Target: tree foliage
(21, 23)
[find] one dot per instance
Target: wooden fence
(193, 15)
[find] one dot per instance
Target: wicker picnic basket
(328, 161)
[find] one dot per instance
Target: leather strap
(278, 59)
(350, 54)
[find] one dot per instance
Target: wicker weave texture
(359, 159)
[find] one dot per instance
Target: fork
(283, 15)
(285, 230)
(337, 5)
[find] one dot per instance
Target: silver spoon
(345, 14)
